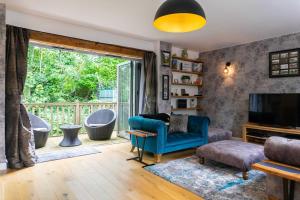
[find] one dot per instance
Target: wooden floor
(103, 176)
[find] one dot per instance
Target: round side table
(70, 135)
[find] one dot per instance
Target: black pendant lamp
(179, 16)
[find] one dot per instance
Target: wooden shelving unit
(184, 84)
(187, 72)
(184, 109)
(193, 88)
(187, 59)
(263, 132)
(187, 97)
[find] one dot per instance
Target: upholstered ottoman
(232, 152)
(218, 134)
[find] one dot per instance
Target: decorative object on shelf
(186, 79)
(192, 103)
(184, 53)
(181, 66)
(174, 64)
(226, 69)
(197, 67)
(200, 92)
(176, 92)
(175, 81)
(183, 92)
(179, 16)
(198, 81)
(186, 66)
(284, 63)
(181, 103)
(165, 87)
(165, 58)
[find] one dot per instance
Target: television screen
(275, 109)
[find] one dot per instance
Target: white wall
(61, 28)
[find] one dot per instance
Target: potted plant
(185, 79)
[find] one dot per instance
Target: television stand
(257, 133)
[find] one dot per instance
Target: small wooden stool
(140, 134)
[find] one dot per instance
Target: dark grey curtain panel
(150, 84)
(19, 141)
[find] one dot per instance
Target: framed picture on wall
(165, 58)
(284, 63)
(165, 87)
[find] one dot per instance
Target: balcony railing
(66, 113)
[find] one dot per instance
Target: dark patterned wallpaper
(226, 96)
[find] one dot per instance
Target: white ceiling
(229, 22)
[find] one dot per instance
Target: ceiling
(229, 23)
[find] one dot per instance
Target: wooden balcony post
(77, 113)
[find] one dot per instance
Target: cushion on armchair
(178, 123)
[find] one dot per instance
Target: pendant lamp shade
(179, 16)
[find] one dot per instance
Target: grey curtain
(150, 84)
(19, 143)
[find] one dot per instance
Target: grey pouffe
(218, 134)
(276, 149)
(234, 153)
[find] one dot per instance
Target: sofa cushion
(180, 137)
(277, 149)
(178, 123)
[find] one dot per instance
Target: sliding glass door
(128, 94)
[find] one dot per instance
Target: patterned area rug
(212, 181)
(69, 153)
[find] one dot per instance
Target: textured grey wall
(226, 97)
(2, 84)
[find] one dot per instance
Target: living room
(213, 100)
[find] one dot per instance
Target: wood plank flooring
(104, 176)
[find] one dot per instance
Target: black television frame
(270, 124)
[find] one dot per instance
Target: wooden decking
(104, 176)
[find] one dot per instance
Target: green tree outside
(58, 75)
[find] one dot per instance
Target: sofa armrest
(150, 125)
(199, 124)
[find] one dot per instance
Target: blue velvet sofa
(165, 142)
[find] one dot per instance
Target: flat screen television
(275, 109)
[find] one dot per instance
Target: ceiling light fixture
(179, 16)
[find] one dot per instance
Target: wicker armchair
(100, 124)
(41, 130)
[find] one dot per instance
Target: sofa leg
(202, 160)
(245, 175)
(132, 148)
(157, 157)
